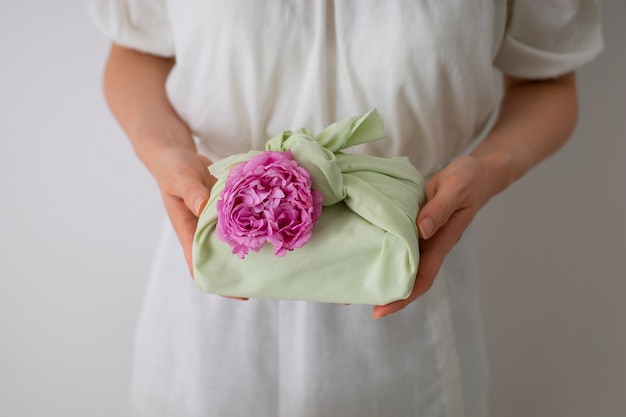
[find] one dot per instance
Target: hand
(185, 185)
(455, 195)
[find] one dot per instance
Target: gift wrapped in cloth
(351, 238)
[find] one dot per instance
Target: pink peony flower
(267, 199)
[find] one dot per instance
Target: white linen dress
(247, 70)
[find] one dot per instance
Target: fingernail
(198, 206)
(426, 227)
(376, 316)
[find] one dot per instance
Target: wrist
(153, 150)
(500, 170)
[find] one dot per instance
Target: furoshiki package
(303, 220)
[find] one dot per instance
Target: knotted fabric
(364, 247)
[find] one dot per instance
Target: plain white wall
(551, 252)
(79, 219)
(78, 224)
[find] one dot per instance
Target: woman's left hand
(455, 195)
(536, 117)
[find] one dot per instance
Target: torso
(248, 70)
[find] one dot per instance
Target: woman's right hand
(185, 183)
(134, 85)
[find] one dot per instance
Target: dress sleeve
(138, 24)
(545, 39)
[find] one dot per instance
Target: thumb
(195, 195)
(436, 213)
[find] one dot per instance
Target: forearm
(536, 118)
(134, 86)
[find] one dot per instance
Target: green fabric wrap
(364, 248)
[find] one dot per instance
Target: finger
(208, 180)
(190, 181)
(204, 160)
(235, 298)
(184, 223)
(432, 255)
(195, 195)
(429, 266)
(447, 199)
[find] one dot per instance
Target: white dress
(247, 70)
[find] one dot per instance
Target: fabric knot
(318, 154)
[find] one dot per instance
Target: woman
(193, 82)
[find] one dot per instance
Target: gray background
(79, 220)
